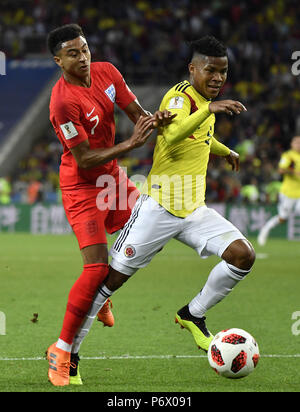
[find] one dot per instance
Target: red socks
(81, 297)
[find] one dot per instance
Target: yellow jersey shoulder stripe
(180, 87)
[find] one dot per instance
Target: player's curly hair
(208, 46)
(61, 34)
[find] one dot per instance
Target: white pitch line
(124, 357)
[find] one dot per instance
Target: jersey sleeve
(66, 120)
(285, 161)
(185, 123)
(218, 148)
(124, 95)
(178, 103)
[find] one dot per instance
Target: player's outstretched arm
(234, 160)
(184, 125)
(87, 158)
(219, 149)
(227, 106)
(289, 171)
(161, 118)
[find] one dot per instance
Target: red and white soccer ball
(233, 353)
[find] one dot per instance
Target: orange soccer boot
(59, 366)
(105, 315)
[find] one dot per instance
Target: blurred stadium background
(148, 42)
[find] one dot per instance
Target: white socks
(221, 280)
(265, 230)
(219, 284)
(100, 299)
(61, 344)
(271, 223)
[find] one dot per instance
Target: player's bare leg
(241, 254)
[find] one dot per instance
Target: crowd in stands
(148, 42)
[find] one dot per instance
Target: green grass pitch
(145, 351)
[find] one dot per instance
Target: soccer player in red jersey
(82, 114)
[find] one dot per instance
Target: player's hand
(227, 106)
(163, 118)
(234, 160)
(142, 130)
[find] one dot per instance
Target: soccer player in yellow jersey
(172, 204)
(289, 194)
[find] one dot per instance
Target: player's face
(208, 74)
(296, 143)
(74, 57)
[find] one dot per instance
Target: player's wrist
(127, 145)
(211, 107)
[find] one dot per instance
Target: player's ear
(58, 61)
(191, 68)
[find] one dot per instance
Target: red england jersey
(79, 113)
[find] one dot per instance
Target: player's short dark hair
(208, 46)
(61, 34)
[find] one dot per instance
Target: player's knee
(115, 279)
(240, 254)
(247, 257)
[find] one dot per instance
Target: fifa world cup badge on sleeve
(176, 102)
(69, 130)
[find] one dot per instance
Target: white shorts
(287, 205)
(151, 226)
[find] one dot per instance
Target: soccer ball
(233, 353)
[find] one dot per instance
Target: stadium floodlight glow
(2, 64)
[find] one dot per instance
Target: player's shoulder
(105, 72)
(179, 88)
(176, 95)
(293, 157)
(62, 96)
(288, 154)
(101, 65)
(286, 159)
(103, 68)
(294, 153)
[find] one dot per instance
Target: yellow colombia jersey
(291, 184)
(177, 179)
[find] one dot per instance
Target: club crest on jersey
(129, 251)
(111, 93)
(69, 130)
